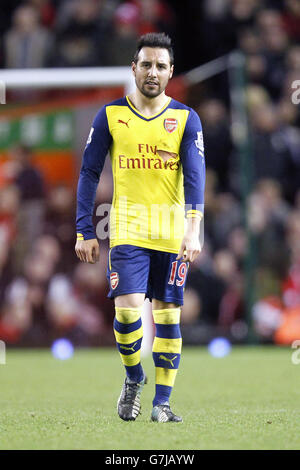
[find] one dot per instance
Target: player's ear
(133, 67)
(171, 71)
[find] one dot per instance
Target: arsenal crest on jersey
(170, 125)
(114, 280)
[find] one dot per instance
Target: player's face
(152, 71)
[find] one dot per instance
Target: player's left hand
(190, 247)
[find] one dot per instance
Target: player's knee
(161, 305)
(135, 300)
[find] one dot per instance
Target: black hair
(161, 40)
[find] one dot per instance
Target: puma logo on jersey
(128, 348)
(123, 122)
(167, 359)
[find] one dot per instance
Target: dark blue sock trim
(162, 394)
(167, 331)
(135, 373)
(166, 360)
(124, 328)
(130, 348)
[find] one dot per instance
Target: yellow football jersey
(158, 172)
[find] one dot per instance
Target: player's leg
(168, 279)
(128, 331)
(166, 355)
(128, 269)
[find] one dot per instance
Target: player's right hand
(88, 251)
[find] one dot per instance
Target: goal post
(88, 77)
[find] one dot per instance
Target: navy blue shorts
(157, 274)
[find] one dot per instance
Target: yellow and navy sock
(166, 352)
(128, 331)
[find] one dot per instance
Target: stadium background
(246, 283)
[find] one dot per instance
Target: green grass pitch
(247, 400)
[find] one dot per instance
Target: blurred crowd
(76, 33)
(44, 292)
(248, 272)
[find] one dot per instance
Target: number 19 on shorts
(178, 272)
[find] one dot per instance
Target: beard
(150, 91)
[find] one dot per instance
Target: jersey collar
(147, 118)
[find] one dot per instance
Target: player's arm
(98, 143)
(193, 165)
(190, 245)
